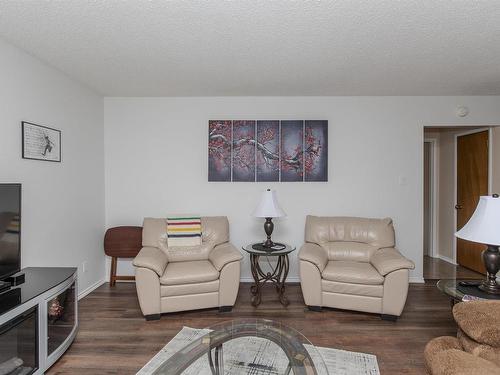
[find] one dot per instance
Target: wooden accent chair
(122, 242)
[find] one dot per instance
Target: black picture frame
(33, 133)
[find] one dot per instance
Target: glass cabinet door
(18, 344)
(61, 318)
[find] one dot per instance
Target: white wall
(156, 161)
(63, 203)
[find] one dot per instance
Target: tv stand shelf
(42, 314)
(4, 285)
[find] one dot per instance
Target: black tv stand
(4, 285)
(41, 314)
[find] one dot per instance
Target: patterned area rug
(244, 353)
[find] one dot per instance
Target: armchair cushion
(355, 251)
(315, 254)
(197, 271)
(352, 272)
(224, 254)
(388, 260)
(152, 258)
(186, 253)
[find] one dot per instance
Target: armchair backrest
(375, 232)
(214, 231)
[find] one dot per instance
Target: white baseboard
(446, 259)
(90, 289)
(417, 280)
(435, 256)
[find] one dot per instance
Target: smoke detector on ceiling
(462, 111)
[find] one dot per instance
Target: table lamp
(484, 227)
(268, 208)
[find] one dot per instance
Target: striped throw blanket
(183, 231)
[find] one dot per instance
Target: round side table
(276, 275)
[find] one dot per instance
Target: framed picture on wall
(40, 142)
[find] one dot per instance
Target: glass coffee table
(246, 346)
(452, 288)
(449, 287)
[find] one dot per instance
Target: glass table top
(273, 252)
(246, 346)
(449, 287)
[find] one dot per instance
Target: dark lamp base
(492, 289)
(491, 260)
(268, 228)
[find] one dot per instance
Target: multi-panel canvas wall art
(268, 150)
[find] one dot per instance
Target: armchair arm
(388, 260)
(315, 254)
(152, 258)
(223, 254)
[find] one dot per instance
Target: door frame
(434, 204)
(455, 174)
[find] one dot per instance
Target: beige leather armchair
(186, 278)
(351, 263)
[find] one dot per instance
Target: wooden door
(472, 182)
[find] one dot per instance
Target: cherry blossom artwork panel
(219, 150)
(316, 150)
(267, 148)
(244, 151)
(292, 150)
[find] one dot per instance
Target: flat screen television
(10, 229)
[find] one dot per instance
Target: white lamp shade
(268, 206)
(484, 225)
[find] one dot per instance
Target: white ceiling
(261, 47)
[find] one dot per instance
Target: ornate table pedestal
(276, 274)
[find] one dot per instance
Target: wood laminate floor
(115, 339)
(436, 269)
